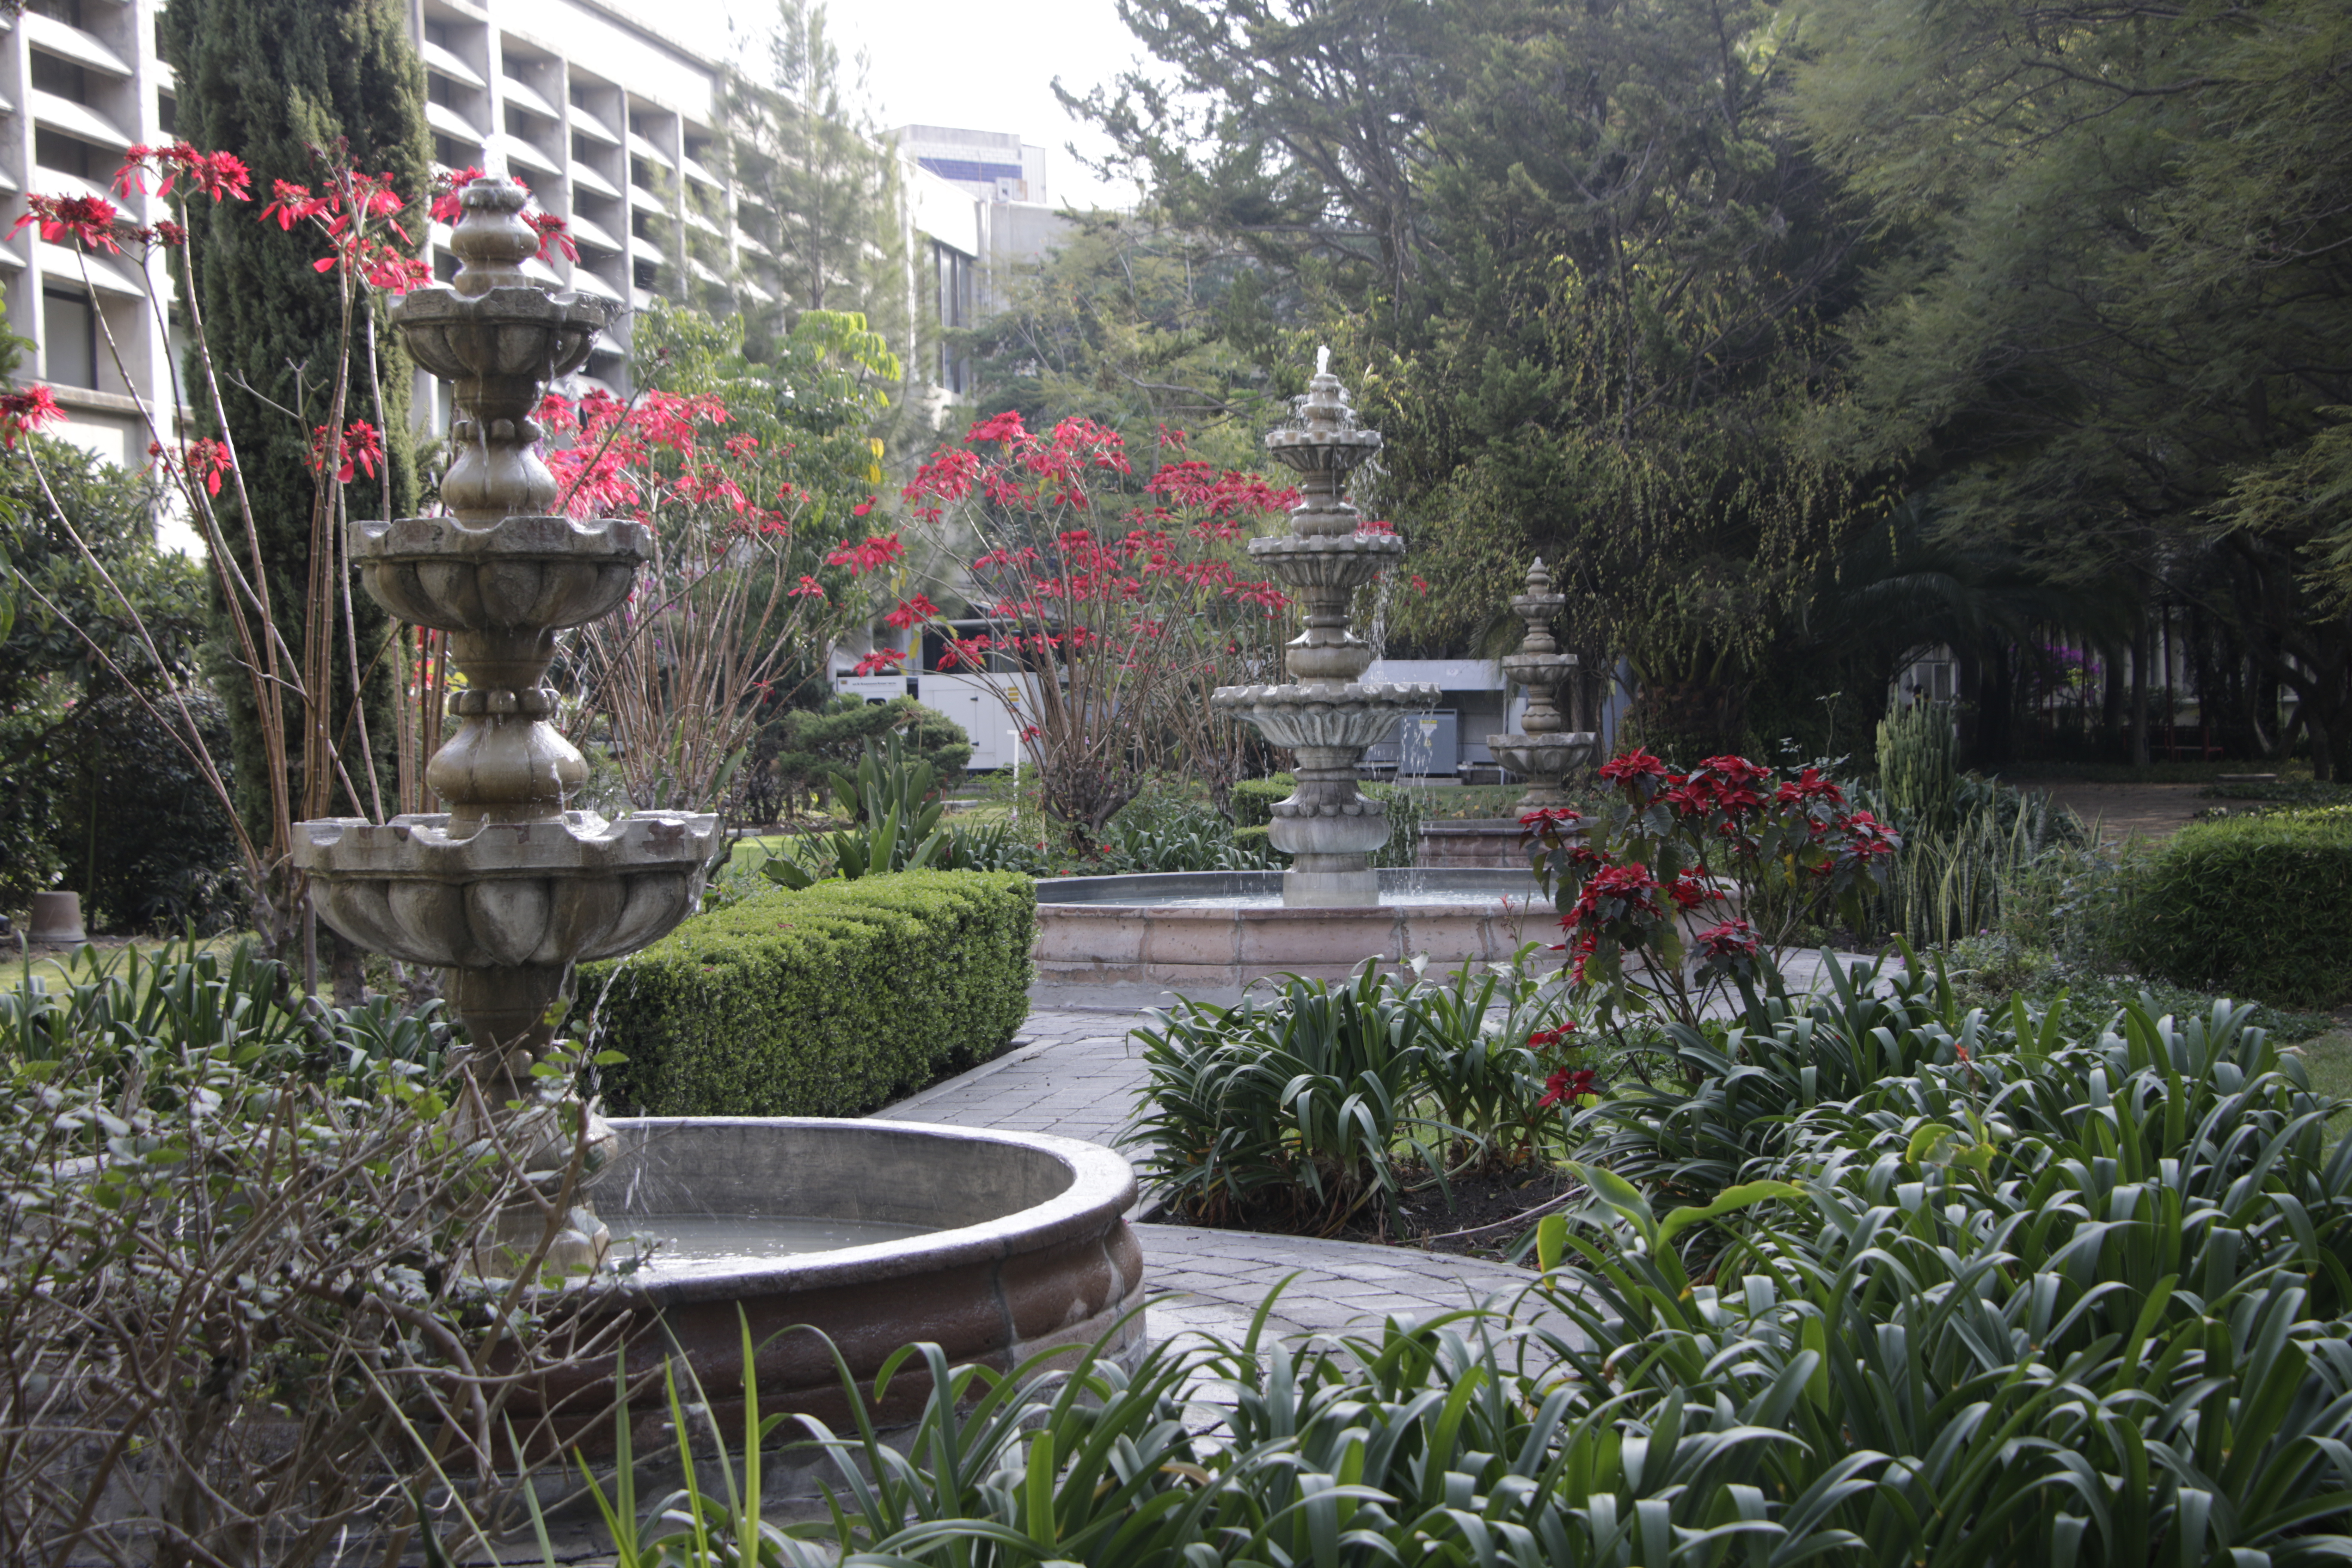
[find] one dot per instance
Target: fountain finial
(491, 241)
(1323, 359)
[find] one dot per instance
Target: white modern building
(609, 116)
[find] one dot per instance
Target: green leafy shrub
(825, 1002)
(2252, 905)
(245, 1293)
(1304, 1107)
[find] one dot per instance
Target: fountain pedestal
(1328, 715)
(508, 888)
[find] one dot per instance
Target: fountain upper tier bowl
(1208, 934)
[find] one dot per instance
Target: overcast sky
(985, 68)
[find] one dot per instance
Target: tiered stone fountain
(1543, 750)
(1328, 827)
(881, 1234)
(1211, 934)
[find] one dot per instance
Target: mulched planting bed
(1487, 1216)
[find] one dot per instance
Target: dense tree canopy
(2116, 332)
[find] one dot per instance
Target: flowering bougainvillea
(1664, 893)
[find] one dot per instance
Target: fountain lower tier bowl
(995, 1245)
(528, 893)
(1208, 934)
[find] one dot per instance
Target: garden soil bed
(1488, 1217)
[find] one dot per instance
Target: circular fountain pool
(880, 1234)
(1208, 934)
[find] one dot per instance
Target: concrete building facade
(608, 116)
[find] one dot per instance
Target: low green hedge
(827, 1002)
(2251, 907)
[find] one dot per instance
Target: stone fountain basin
(1128, 941)
(1031, 1252)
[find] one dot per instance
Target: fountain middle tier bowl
(1353, 715)
(527, 893)
(996, 1246)
(1208, 934)
(527, 572)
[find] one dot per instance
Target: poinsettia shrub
(1676, 891)
(829, 1001)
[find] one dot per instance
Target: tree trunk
(2139, 656)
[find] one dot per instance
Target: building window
(644, 272)
(952, 273)
(583, 151)
(578, 93)
(455, 154)
(640, 174)
(437, 34)
(71, 327)
(62, 77)
(519, 123)
(440, 90)
(167, 113)
(66, 154)
(65, 11)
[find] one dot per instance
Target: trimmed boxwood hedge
(827, 1002)
(2251, 906)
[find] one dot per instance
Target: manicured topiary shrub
(2251, 907)
(826, 1002)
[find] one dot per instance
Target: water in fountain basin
(745, 1240)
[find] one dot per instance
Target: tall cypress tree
(284, 84)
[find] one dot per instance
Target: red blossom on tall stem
(27, 411)
(86, 221)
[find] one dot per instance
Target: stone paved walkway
(1074, 1073)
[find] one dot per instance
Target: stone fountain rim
(1102, 1188)
(422, 539)
(1478, 884)
(1381, 693)
(426, 833)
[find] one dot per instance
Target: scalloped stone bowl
(1019, 1244)
(1127, 941)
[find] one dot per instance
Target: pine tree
(285, 84)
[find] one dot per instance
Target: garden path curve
(1074, 1073)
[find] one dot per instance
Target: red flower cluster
(881, 660)
(26, 412)
(207, 459)
(1194, 483)
(1549, 1039)
(1567, 1086)
(87, 221)
(1732, 939)
(911, 612)
(864, 556)
(360, 448)
(220, 175)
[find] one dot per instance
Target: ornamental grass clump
(1312, 1106)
